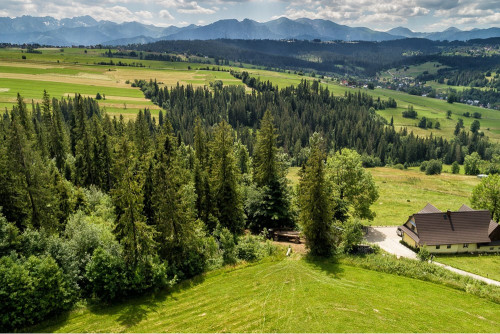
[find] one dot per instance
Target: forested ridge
(94, 207)
(344, 121)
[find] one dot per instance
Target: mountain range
(85, 30)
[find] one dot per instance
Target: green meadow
(291, 295)
(487, 265)
(72, 70)
(404, 192)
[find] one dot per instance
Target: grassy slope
(484, 265)
(60, 71)
(403, 192)
(294, 295)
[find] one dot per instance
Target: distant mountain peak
(85, 30)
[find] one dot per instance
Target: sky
(417, 15)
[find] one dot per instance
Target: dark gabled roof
(465, 208)
(453, 227)
(410, 233)
(494, 231)
(429, 208)
(493, 226)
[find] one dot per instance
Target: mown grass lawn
(487, 265)
(404, 192)
(293, 295)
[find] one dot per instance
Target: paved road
(388, 240)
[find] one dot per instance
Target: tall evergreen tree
(173, 203)
(224, 179)
(269, 206)
(134, 234)
(315, 204)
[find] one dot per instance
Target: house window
(438, 246)
(466, 245)
(448, 246)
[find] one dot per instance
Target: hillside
(68, 71)
(291, 295)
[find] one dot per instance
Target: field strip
(80, 80)
(112, 97)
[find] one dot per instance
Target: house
(462, 231)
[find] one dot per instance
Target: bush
(472, 164)
(9, 236)
(106, 274)
(399, 166)
(423, 254)
(434, 167)
(252, 248)
(352, 235)
(369, 161)
(249, 249)
(423, 166)
(455, 168)
(227, 244)
(31, 291)
(410, 113)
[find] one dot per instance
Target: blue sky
(418, 15)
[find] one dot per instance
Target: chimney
(448, 213)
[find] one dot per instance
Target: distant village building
(462, 231)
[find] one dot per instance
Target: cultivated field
(68, 71)
(292, 295)
(404, 192)
(487, 265)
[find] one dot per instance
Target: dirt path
(296, 248)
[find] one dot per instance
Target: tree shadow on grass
(132, 310)
(135, 309)
(330, 266)
(49, 325)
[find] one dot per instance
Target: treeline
(254, 83)
(486, 96)
(142, 56)
(347, 121)
(359, 58)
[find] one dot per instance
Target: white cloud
(165, 14)
(187, 7)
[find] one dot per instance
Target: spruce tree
(173, 202)
(314, 202)
(269, 206)
(131, 229)
(224, 179)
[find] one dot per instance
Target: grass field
(487, 265)
(73, 70)
(404, 192)
(292, 295)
